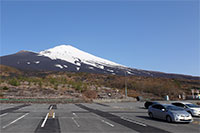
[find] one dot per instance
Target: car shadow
(142, 108)
(159, 120)
(148, 118)
(196, 117)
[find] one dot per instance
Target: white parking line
(141, 124)
(3, 114)
(98, 117)
(107, 123)
(75, 114)
(45, 120)
(15, 120)
(75, 122)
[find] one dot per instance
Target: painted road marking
(104, 121)
(45, 120)
(75, 122)
(3, 114)
(107, 123)
(15, 120)
(51, 113)
(54, 114)
(75, 114)
(141, 124)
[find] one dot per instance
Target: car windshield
(174, 108)
(192, 106)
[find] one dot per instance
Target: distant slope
(68, 58)
(33, 61)
(7, 71)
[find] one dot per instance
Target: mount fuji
(69, 58)
(77, 57)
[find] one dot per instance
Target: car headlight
(194, 111)
(177, 115)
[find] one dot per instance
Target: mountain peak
(63, 46)
(22, 51)
(73, 55)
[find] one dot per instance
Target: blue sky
(147, 34)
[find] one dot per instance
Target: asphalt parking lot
(86, 117)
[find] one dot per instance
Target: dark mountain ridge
(30, 61)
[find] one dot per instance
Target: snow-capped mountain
(75, 56)
(69, 58)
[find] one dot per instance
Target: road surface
(86, 117)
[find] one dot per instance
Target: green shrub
(1, 95)
(14, 82)
(77, 86)
(40, 84)
(5, 88)
(56, 86)
(52, 81)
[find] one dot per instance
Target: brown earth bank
(16, 84)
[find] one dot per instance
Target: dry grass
(148, 87)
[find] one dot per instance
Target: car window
(155, 106)
(182, 105)
(176, 104)
(192, 105)
(160, 107)
(174, 108)
(179, 104)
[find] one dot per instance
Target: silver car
(170, 113)
(193, 109)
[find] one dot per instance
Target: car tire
(169, 119)
(146, 105)
(151, 115)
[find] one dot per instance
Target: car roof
(154, 102)
(164, 104)
(167, 105)
(182, 102)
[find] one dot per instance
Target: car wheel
(169, 119)
(151, 115)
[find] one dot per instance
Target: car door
(161, 113)
(156, 111)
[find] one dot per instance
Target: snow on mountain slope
(69, 59)
(75, 56)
